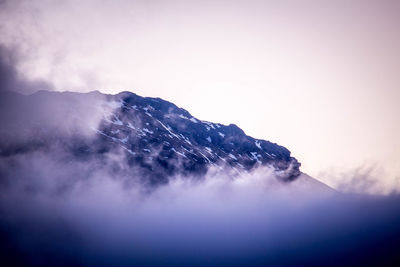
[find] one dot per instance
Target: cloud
(58, 209)
(11, 79)
(364, 179)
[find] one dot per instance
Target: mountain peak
(155, 136)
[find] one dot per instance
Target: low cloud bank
(92, 212)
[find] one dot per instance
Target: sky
(318, 77)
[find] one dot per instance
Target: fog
(61, 212)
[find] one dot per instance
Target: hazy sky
(319, 77)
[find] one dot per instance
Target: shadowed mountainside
(157, 139)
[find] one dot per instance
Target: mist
(93, 212)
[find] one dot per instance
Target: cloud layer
(60, 210)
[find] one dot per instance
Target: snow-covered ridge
(155, 137)
(187, 143)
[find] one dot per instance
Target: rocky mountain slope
(157, 139)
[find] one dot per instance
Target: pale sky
(321, 78)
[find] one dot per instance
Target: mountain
(156, 138)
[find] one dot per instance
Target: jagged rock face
(158, 139)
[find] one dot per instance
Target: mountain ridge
(157, 137)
